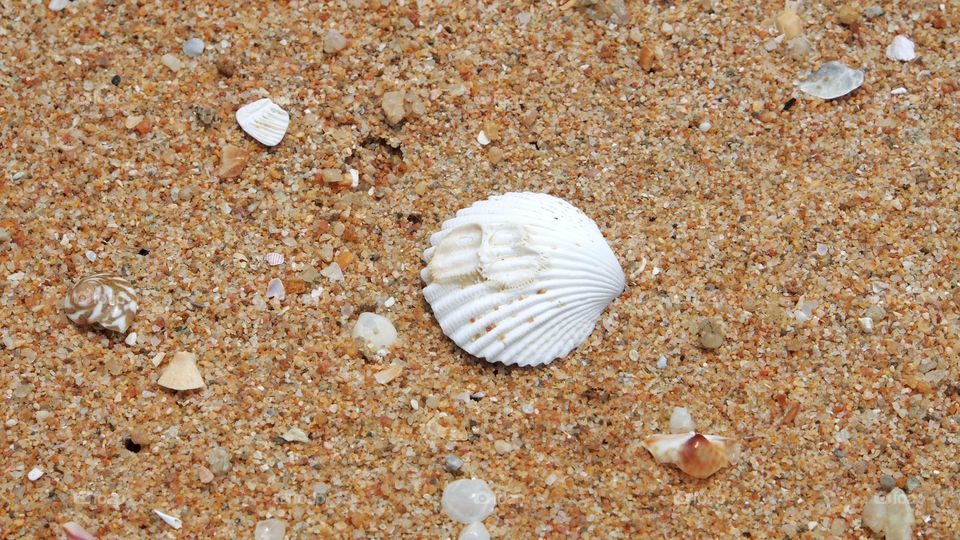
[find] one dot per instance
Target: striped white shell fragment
(264, 120)
(106, 300)
(520, 278)
(274, 259)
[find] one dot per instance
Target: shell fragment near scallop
(831, 81)
(695, 454)
(264, 120)
(520, 278)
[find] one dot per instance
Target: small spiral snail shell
(106, 300)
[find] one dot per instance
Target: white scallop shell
(264, 120)
(832, 80)
(520, 278)
(103, 299)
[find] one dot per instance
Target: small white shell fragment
(91, 256)
(274, 259)
(474, 531)
(898, 90)
(270, 529)
(295, 435)
(482, 138)
(901, 49)
(374, 331)
(193, 47)
(520, 278)
(332, 272)
(468, 501)
(58, 5)
(389, 374)
(695, 454)
(74, 531)
(181, 373)
(34, 474)
(264, 120)
(681, 421)
(275, 289)
(131, 339)
(832, 80)
(354, 177)
(105, 300)
(172, 521)
(889, 515)
(866, 324)
(157, 358)
(172, 62)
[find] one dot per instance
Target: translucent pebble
(270, 529)
(219, 460)
(452, 463)
(193, 47)
(57, 5)
(890, 515)
(333, 272)
(474, 531)
(681, 421)
(468, 501)
(333, 42)
(376, 331)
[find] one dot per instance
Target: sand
(725, 193)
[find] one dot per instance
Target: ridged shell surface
(103, 299)
(520, 278)
(264, 120)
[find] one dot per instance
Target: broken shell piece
(695, 454)
(520, 278)
(889, 515)
(482, 138)
(389, 374)
(832, 80)
(681, 421)
(172, 521)
(182, 373)
(468, 501)
(901, 49)
(264, 120)
(295, 435)
(474, 531)
(233, 159)
(274, 259)
(275, 289)
(74, 531)
(106, 300)
(374, 332)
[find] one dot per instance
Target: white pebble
(681, 421)
(822, 250)
(131, 339)
(376, 331)
(474, 531)
(901, 49)
(172, 62)
(34, 474)
(898, 90)
(705, 126)
(270, 529)
(91, 256)
(193, 47)
(662, 362)
(57, 5)
(333, 42)
(468, 501)
(866, 324)
(11, 422)
(482, 138)
(333, 272)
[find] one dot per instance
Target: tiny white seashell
(264, 120)
(482, 138)
(275, 289)
(468, 501)
(74, 531)
(181, 373)
(274, 259)
(374, 331)
(695, 454)
(832, 80)
(172, 521)
(901, 49)
(106, 300)
(520, 278)
(474, 531)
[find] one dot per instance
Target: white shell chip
(520, 278)
(832, 80)
(468, 501)
(264, 120)
(901, 49)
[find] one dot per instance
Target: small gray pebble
(874, 11)
(452, 463)
(887, 483)
(193, 47)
